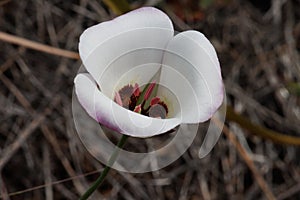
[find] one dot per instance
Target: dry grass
(259, 54)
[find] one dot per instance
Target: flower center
(145, 102)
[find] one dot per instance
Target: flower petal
(192, 72)
(84, 93)
(136, 67)
(101, 45)
(110, 114)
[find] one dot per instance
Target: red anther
(136, 90)
(154, 101)
(149, 90)
(138, 109)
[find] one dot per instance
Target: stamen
(149, 90)
(151, 105)
(154, 101)
(118, 99)
(138, 109)
(136, 90)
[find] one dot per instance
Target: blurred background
(257, 157)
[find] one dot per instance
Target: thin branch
(51, 138)
(3, 2)
(37, 46)
(18, 94)
(3, 189)
(243, 153)
(54, 183)
(261, 131)
(10, 150)
(47, 172)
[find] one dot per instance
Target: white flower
(124, 54)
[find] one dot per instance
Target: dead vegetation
(41, 156)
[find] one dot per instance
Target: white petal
(192, 72)
(134, 67)
(104, 44)
(84, 93)
(116, 117)
(205, 44)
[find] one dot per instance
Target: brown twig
(3, 2)
(261, 131)
(8, 153)
(57, 184)
(243, 153)
(204, 187)
(3, 189)
(37, 46)
(289, 192)
(59, 153)
(10, 150)
(14, 90)
(47, 173)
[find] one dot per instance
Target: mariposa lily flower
(142, 79)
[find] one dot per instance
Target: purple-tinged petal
(112, 115)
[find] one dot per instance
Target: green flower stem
(102, 176)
